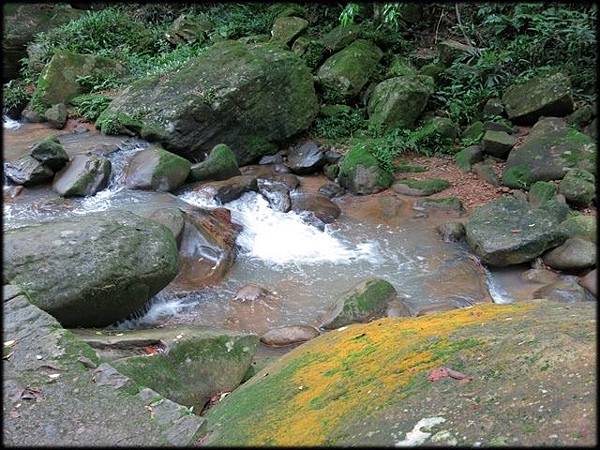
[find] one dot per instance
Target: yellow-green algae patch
(302, 398)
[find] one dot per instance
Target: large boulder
(384, 384)
(497, 143)
(366, 301)
(574, 254)
(91, 270)
(250, 97)
(186, 365)
(548, 152)
(286, 29)
(340, 37)
(579, 187)
(56, 116)
(580, 226)
(51, 153)
(220, 164)
(157, 169)
(27, 171)
(508, 231)
(360, 173)
(541, 96)
(344, 74)
(398, 102)
(83, 176)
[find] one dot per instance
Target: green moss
(474, 132)
(518, 177)
(540, 192)
(113, 123)
(447, 203)
(359, 156)
(427, 186)
(580, 226)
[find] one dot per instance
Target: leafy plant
(14, 98)
(348, 14)
(90, 106)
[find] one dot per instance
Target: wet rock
(83, 176)
(508, 231)
(91, 270)
(282, 336)
(271, 159)
(331, 190)
(251, 292)
(497, 143)
(420, 187)
(286, 29)
(574, 254)
(11, 192)
(227, 190)
(220, 164)
(541, 276)
(366, 301)
(51, 153)
(547, 153)
(541, 96)
(172, 218)
(306, 158)
(564, 290)
(344, 74)
(451, 231)
(157, 169)
(580, 226)
(276, 193)
(188, 365)
(319, 205)
(579, 187)
(468, 156)
(398, 102)
(56, 116)
(234, 94)
(27, 171)
(590, 282)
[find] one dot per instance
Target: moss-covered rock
(91, 270)
(157, 169)
(578, 225)
(83, 176)
(250, 97)
(367, 385)
(541, 192)
(474, 132)
(287, 28)
(334, 110)
(548, 152)
(400, 67)
(486, 172)
(541, 96)
(579, 187)
(220, 164)
(468, 156)
(366, 301)
(398, 102)
(493, 108)
(445, 128)
(312, 51)
(497, 143)
(360, 173)
(444, 204)
(340, 37)
(424, 187)
(581, 117)
(508, 231)
(56, 115)
(499, 125)
(51, 153)
(27, 171)
(343, 75)
(432, 70)
(574, 254)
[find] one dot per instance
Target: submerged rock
(366, 301)
(283, 336)
(226, 190)
(83, 176)
(573, 254)
(91, 270)
(157, 169)
(220, 164)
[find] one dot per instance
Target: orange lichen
(353, 367)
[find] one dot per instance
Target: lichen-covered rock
(573, 254)
(91, 270)
(367, 385)
(548, 152)
(294, 334)
(83, 176)
(450, 49)
(157, 169)
(579, 187)
(580, 226)
(541, 96)
(474, 132)
(344, 74)
(540, 192)
(508, 231)
(220, 164)
(60, 80)
(360, 173)
(398, 102)
(56, 116)
(497, 143)
(468, 156)
(366, 301)
(27, 171)
(250, 97)
(286, 29)
(188, 365)
(424, 187)
(305, 158)
(51, 153)
(340, 37)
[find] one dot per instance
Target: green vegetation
(90, 106)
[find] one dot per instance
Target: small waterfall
(10, 124)
(497, 292)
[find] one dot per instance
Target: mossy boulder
(573, 255)
(424, 187)
(398, 102)
(445, 128)
(344, 74)
(468, 156)
(401, 67)
(367, 385)
(360, 173)
(474, 132)
(56, 115)
(581, 117)
(579, 187)
(189, 365)
(51, 153)
(548, 152)
(157, 169)
(220, 164)
(493, 108)
(578, 225)
(83, 176)
(444, 204)
(541, 192)
(340, 37)
(287, 28)
(60, 81)
(27, 171)
(497, 143)
(91, 270)
(541, 96)
(366, 301)
(486, 172)
(509, 231)
(250, 97)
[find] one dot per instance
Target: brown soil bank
(533, 369)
